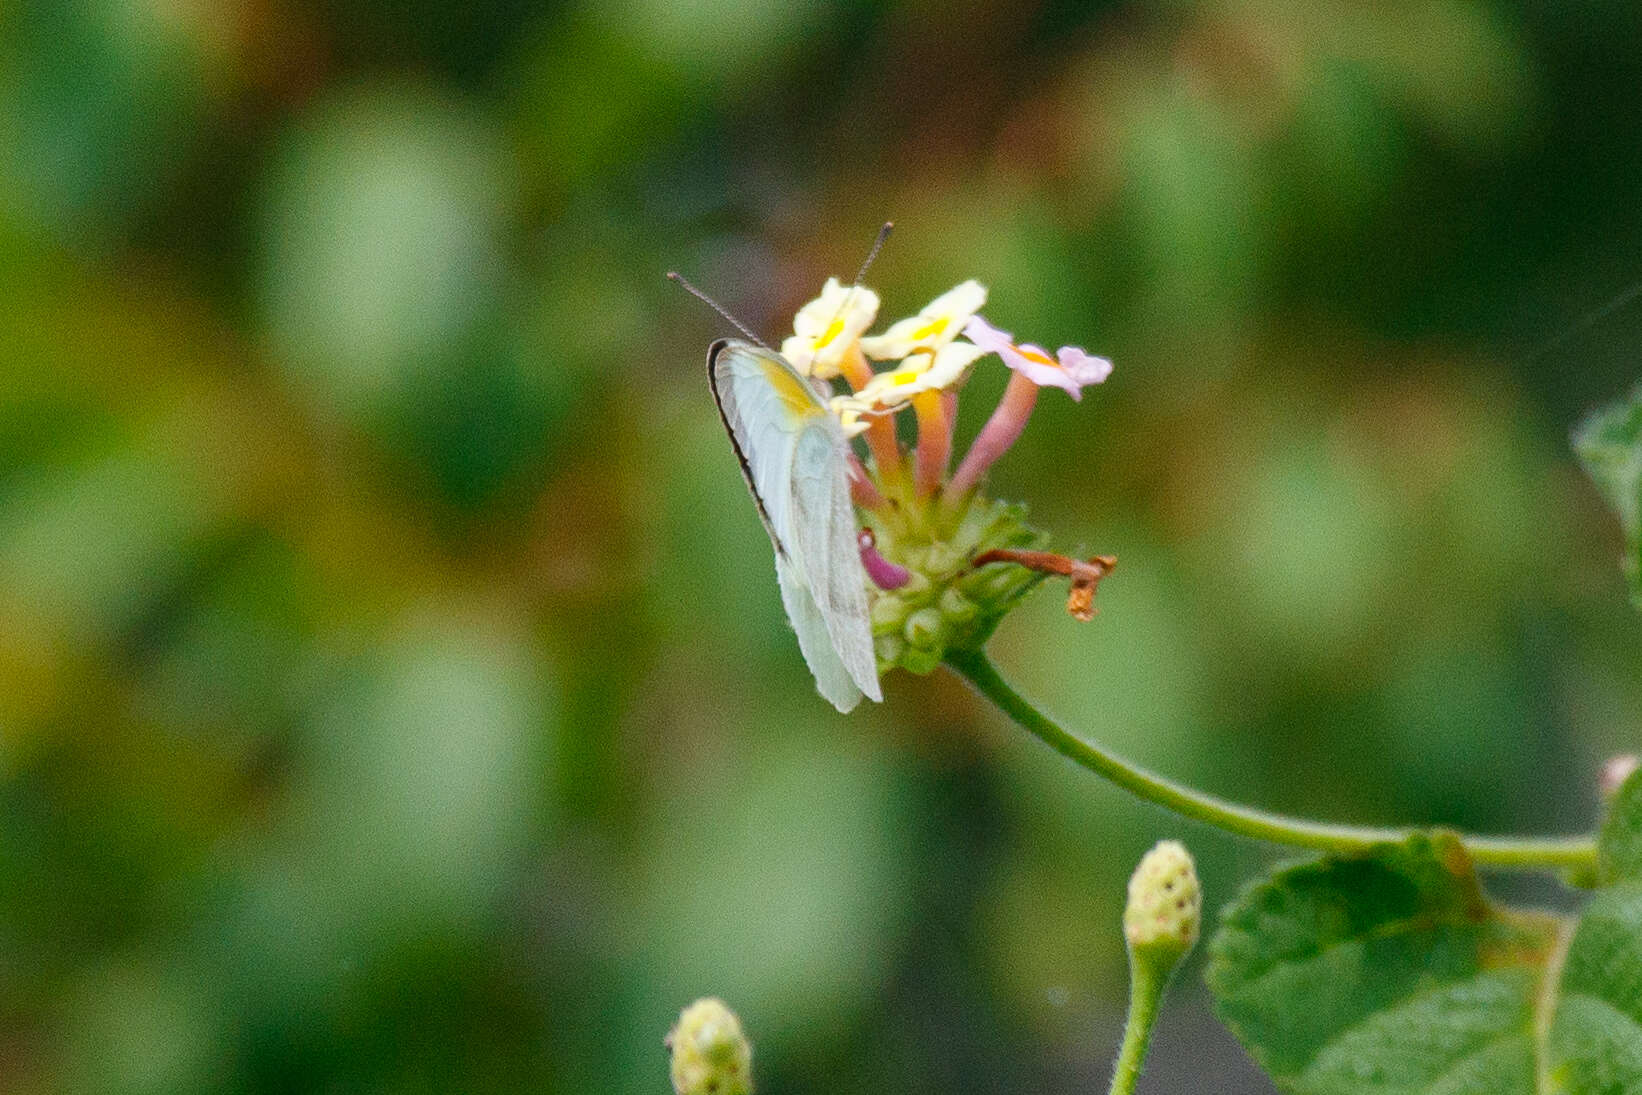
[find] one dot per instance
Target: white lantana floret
(938, 323)
(893, 389)
(829, 328)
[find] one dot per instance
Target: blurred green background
(394, 691)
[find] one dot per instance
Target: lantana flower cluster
(928, 532)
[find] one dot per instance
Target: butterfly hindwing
(824, 529)
(832, 677)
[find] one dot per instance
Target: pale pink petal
(1071, 369)
(988, 337)
(1083, 367)
(1034, 363)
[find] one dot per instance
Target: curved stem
(1146, 986)
(1515, 853)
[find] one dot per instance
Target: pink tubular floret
(884, 574)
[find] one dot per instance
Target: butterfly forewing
(763, 402)
(795, 461)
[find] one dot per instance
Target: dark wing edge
(724, 415)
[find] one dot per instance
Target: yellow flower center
(932, 328)
(834, 329)
(1041, 359)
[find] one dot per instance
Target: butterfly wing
(794, 458)
(833, 678)
(823, 528)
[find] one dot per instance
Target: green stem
(1146, 986)
(1514, 853)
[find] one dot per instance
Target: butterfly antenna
(877, 245)
(855, 286)
(673, 275)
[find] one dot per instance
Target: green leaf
(1619, 845)
(1595, 1045)
(1609, 444)
(1385, 973)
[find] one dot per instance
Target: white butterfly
(796, 462)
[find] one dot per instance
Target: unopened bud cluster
(948, 603)
(1165, 905)
(710, 1054)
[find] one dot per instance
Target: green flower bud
(1160, 923)
(711, 1055)
(918, 591)
(925, 629)
(956, 607)
(889, 648)
(947, 603)
(1165, 906)
(921, 662)
(888, 613)
(1001, 582)
(942, 559)
(914, 556)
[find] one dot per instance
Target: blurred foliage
(1609, 444)
(394, 693)
(1594, 1040)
